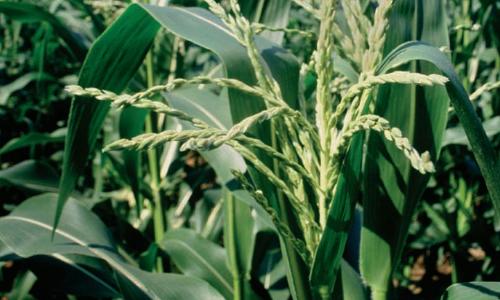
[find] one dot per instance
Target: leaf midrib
(84, 271)
(97, 252)
(209, 267)
(205, 20)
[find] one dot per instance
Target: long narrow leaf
(110, 64)
(340, 217)
(481, 147)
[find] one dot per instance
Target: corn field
(250, 149)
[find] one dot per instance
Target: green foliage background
(218, 244)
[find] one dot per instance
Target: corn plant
(303, 162)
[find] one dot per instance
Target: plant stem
(231, 247)
(158, 219)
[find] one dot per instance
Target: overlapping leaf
(117, 54)
(392, 187)
(200, 258)
(27, 232)
(482, 290)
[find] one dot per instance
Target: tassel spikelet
(306, 153)
(357, 23)
(400, 77)
(484, 88)
(419, 162)
(376, 35)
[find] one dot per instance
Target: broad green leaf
(32, 175)
(77, 274)
(110, 64)
(198, 257)
(201, 103)
(34, 138)
(164, 286)
(147, 260)
(27, 232)
(26, 12)
(392, 187)
(477, 290)
(216, 37)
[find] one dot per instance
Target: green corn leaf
(392, 187)
(480, 290)
(388, 234)
(33, 138)
(31, 174)
(198, 257)
(199, 103)
(110, 64)
(481, 147)
(26, 12)
(340, 217)
(241, 225)
(27, 231)
(165, 286)
(132, 124)
(77, 274)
